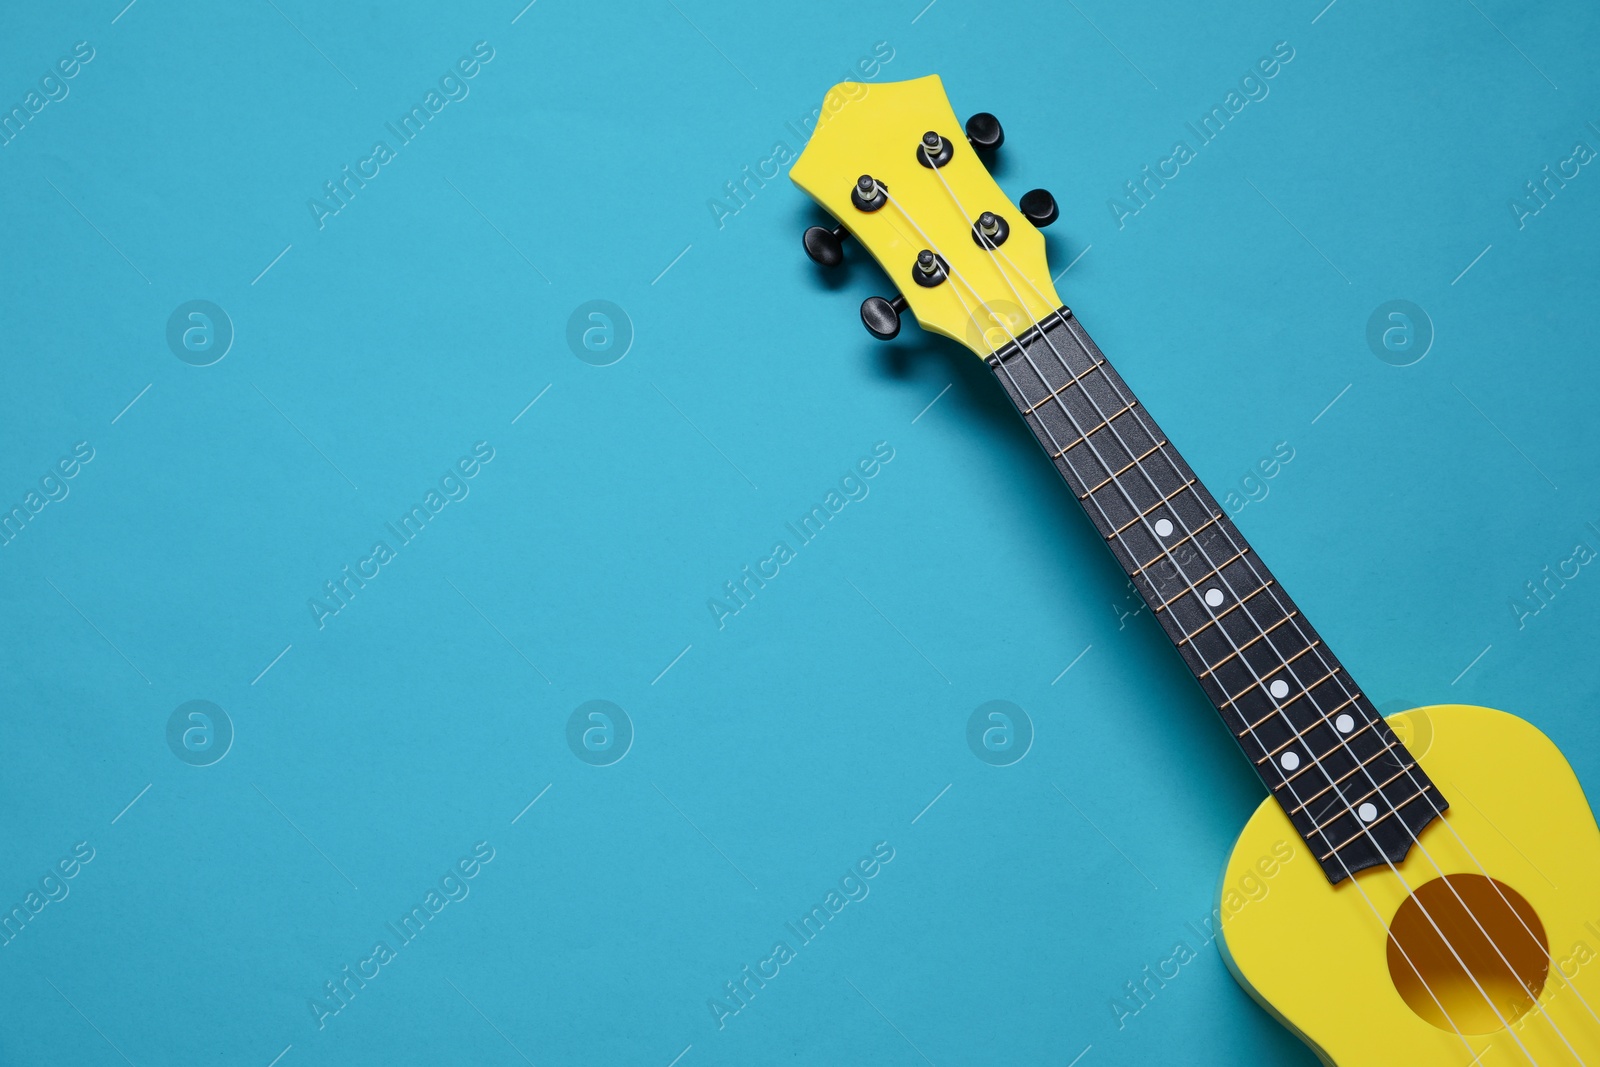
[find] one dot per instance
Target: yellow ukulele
(1435, 877)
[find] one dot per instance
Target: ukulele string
(1407, 770)
(1288, 666)
(977, 297)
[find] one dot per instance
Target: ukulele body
(1327, 967)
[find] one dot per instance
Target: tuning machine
(984, 132)
(825, 246)
(882, 317)
(1039, 207)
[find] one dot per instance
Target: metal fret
(1348, 808)
(1094, 430)
(1304, 690)
(1057, 392)
(1404, 770)
(1263, 683)
(1174, 495)
(1194, 586)
(1240, 602)
(1315, 763)
(1223, 662)
(1168, 532)
(1185, 539)
(1131, 464)
(1347, 702)
(1362, 765)
(1394, 809)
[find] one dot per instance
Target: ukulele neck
(1347, 783)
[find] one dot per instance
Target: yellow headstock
(987, 295)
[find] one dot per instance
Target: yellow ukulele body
(1339, 965)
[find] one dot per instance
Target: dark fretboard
(1352, 790)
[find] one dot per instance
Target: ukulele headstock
(902, 175)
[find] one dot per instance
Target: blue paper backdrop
(367, 352)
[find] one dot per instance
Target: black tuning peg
(1039, 207)
(984, 132)
(825, 246)
(882, 317)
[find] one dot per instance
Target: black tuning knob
(984, 132)
(825, 246)
(1039, 207)
(882, 317)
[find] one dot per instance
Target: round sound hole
(1444, 986)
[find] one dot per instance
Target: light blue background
(829, 713)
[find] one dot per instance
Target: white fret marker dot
(1214, 597)
(1279, 689)
(1290, 761)
(1344, 724)
(1367, 811)
(1163, 527)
